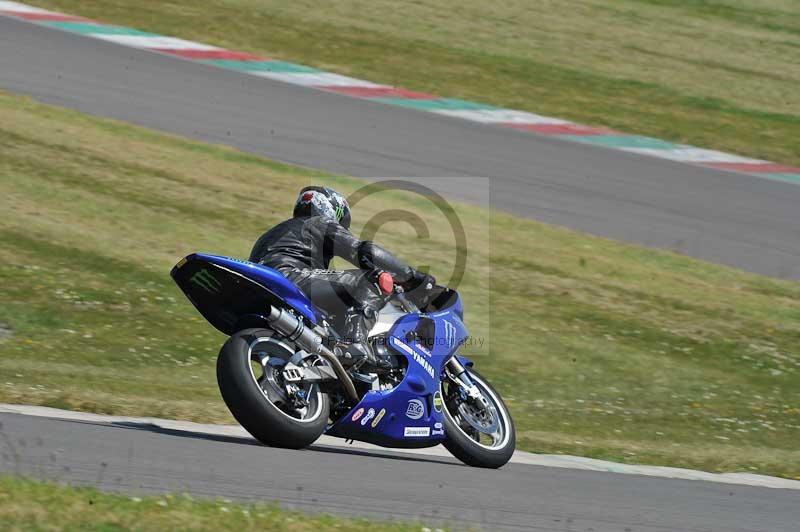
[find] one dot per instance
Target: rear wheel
(250, 377)
(479, 428)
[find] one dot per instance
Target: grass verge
(719, 74)
(26, 505)
(601, 349)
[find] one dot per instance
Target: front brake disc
(481, 419)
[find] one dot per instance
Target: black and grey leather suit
(301, 248)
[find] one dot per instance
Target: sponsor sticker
(416, 432)
(357, 414)
(424, 363)
(419, 359)
(449, 333)
(415, 409)
(437, 432)
(437, 425)
(437, 401)
(370, 415)
(206, 281)
(425, 350)
(404, 347)
(378, 418)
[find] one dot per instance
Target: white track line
(690, 154)
(520, 457)
(310, 79)
(21, 8)
(494, 116)
(154, 41)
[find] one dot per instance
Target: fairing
(385, 417)
(227, 291)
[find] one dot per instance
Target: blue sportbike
(286, 382)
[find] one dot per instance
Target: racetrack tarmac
(141, 458)
(734, 219)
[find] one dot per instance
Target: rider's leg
(348, 293)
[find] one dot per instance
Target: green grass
(601, 349)
(26, 505)
(713, 73)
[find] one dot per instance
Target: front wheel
(250, 377)
(479, 429)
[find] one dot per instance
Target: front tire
(252, 399)
(464, 439)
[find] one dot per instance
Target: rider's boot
(358, 323)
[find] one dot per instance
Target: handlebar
(386, 284)
(407, 304)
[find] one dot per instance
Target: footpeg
(292, 373)
(295, 374)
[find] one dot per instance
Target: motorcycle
(285, 380)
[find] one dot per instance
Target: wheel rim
(266, 358)
(486, 421)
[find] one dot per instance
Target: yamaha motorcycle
(286, 382)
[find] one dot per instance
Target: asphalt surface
(734, 219)
(144, 459)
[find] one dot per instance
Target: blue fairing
(407, 415)
(227, 290)
(271, 279)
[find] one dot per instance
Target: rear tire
(251, 406)
(467, 449)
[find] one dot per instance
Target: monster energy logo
(339, 213)
(206, 281)
(449, 333)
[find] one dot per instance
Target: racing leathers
(301, 248)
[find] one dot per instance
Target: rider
(302, 247)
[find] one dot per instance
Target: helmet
(323, 201)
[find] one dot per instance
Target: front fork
(458, 373)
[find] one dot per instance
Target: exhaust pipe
(293, 328)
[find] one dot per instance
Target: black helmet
(323, 201)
